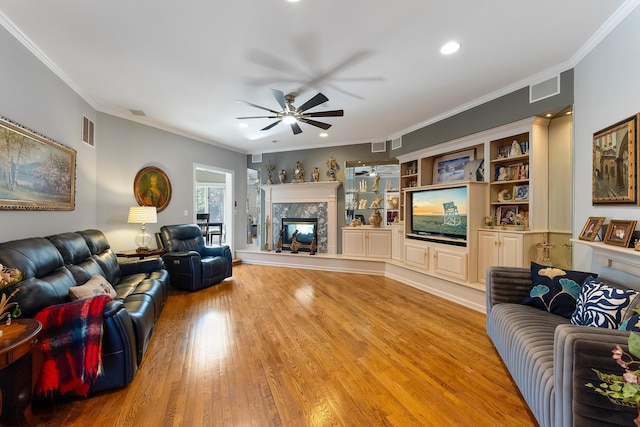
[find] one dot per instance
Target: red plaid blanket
(71, 342)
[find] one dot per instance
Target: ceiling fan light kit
(291, 115)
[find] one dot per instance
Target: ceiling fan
(292, 115)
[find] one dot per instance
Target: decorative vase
(519, 228)
(375, 219)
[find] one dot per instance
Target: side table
(136, 253)
(16, 385)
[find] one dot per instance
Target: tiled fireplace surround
(305, 200)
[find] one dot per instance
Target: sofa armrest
(507, 285)
(118, 341)
(147, 265)
(577, 351)
(222, 251)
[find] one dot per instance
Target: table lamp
(143, 215)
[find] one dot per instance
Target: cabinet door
(378, 243)
(417, 255)
(450, 263)
(397, 242)
(487, 252)
(511, 250)
(353, 242)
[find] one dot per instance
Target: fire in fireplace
(307, 231)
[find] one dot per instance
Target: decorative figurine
(270, 168)
(279, 244)
(316, 174)
(362, 204)
(376, 202)
(333, 166)
(376, 183)
(516, 150)
(295, 245)
(298, 173)
(375, 219)
(314, 246)
(267, 225)
(283, 176)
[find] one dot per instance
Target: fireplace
(306, 231)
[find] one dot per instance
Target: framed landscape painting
(451, 167)
(36, 173)
(614, 163)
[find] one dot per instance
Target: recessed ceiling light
(243, 125)
(293, 1)
(324, 135)
(549, 115)
(449, 48)
(569, 112)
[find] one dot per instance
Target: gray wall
(37, 99)
(34, 97)
(125, 147)
(607, 90)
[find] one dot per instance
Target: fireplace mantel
(307, 192)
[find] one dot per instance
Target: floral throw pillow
(555, 290)
(631, 324)
(601, 305)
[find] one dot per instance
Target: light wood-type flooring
(277, 346)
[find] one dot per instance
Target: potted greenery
(519, 221)
(489, 221)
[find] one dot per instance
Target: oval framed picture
(152, 187)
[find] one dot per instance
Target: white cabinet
(507, 249)
(366, 241)
(438, 259)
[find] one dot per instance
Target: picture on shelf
(506, 215)
(591, 228)
(619, 232)
(474, 170)
(521, 192)
(452, 167)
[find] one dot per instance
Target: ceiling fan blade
(257, 117)
(316, 100)
(279, 96)
(315, 123)
(271, 125)
(332, 113)
(257, 106)
(295, 127)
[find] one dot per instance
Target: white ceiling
(186, 63)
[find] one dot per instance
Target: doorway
(213, 195)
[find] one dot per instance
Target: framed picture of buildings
(614, 163)
(36, 173)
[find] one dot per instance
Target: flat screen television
(440, 214)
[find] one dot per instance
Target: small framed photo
(520, 192)
(619, 233)
(506, 215)
(591, 228)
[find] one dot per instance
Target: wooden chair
(203, 222)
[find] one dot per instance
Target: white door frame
(229, 200)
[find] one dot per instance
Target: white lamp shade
(142, 215)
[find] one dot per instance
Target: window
(210, 198)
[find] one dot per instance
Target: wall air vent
(88, 131)
(138, 113)
(544, 89)
(396, 143)
(256, 158)
(379, 147)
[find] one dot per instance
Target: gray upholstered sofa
(549, 359)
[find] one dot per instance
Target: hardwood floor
(284, 347)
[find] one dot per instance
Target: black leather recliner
(191, 264)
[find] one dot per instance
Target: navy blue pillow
(601, 305)
(631, 324)
(555, 290)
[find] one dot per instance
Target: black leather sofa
(191, 264)
(51, 265)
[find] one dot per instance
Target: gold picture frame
(614, 163)
(619, 232)
(152, 187)
(38, 173)
(591, 228)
